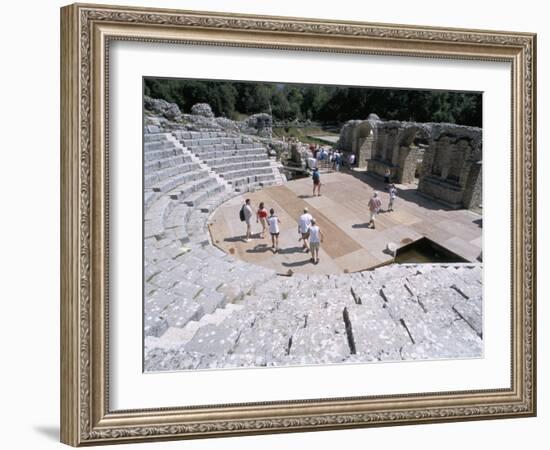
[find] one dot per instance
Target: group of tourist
(310, 233)
(333, 156)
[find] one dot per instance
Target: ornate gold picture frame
(87, 31)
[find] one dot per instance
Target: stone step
(198, 197)
(157, 176)
(179, 134)
(234, 158)
(210, 155)
(148, 198)
(160, 209)
(162, 154)
(232, 167)
(177, 180)
(158, 145)
(234, 174)
(164, 162)
(182, 192)
(154, 137)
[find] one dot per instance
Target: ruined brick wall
(450, 152)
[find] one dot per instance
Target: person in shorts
(304, 222)
(316, 181)
(273, 222)
(393, 195)
(387, 176)
(261, 217)
(374, 208)
(315, 239)
(247, 209)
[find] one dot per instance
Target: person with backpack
(273, 222)
(316, 181)
(245, 214)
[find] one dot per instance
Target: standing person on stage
(374, 208)
(303, 228)
(261, 216)
(315, 239)
(273, 222)
(245, 215)
(316, 181)
(387, 175)
(393, 195)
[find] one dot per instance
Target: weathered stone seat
(153, 178)
(152, 165)
(177, 180)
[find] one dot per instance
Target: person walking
(273, 222)
(303, 228)
(387, 175)
(315, 239)
(316, 181)
(393, 195)
(261, 217)
(246, 216)
(374, 208)
(337, 160)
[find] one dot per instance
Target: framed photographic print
(284, 224)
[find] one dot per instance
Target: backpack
(316, 176)
(241, 214)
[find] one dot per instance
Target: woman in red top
(261, 216)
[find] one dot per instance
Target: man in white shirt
(273, 222)
(248, 213)
(374, 208)
(315, 239)
(303, 228)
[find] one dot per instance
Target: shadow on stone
(260, 248)
(297, 263)
(235, 239)
(290, 250)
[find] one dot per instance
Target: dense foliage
(319, 102)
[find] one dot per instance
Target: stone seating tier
(222, 167)
(154, 177)
(259, 180)
(154, 137)
(253, 154)
(182, 178)
(157, 155)
(231, 175)
(318, 319)
(164, 162)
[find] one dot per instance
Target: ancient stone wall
(451, 163)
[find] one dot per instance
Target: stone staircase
(239, 160)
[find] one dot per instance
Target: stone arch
(412, 135)
(362, 132)
(363, 137)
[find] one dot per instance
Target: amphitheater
(207, 308)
